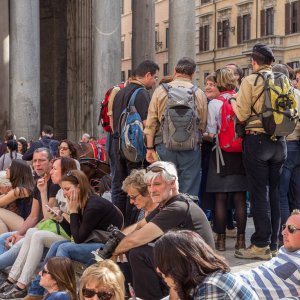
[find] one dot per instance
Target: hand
(55, 214)
(10, 241)
(73, 202)
(151, 156)
(42, 185)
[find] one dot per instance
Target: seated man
(176, 211)
(279, 277)
(11, 242)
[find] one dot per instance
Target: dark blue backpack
(131, 128)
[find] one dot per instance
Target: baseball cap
(264, 50)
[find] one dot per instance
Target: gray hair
(186, 66)
(86, 135)
(137, 181)
(44, 149)
(168, 172)
(295, 212)
(280, 68)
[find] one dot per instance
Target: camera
(115, 237)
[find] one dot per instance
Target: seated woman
(58, 278)
(137, 191)
(88, 212)
(22, 145)
(6, 158)
(67, 149)
(192, 270)
(103, 279)
(35, 240)
(17, 202)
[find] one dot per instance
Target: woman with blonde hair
(103, 279)
(228, 179)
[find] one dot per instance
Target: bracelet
(150, 148)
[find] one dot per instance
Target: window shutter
(298, 16)
(262, 23)
(239, 29)
(219, 35)
(249, 27)
(201, 37)
(287, 18)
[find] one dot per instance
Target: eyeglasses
(133, 197)
(155, 78)
(158, 169)
(291, 228)
(45, 272)
(63, 148)
(87, 293)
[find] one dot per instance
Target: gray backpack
(180, 120)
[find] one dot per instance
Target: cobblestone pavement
(238, 264)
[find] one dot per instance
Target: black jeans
(263, 160)
(146, 282)
(120, 169)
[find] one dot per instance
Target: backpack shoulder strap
(133, 96)
(166, 86)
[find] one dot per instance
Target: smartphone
(52, 210)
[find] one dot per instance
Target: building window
(267, 21)
(294, 64)
(129, 73)
(205, 1)
(223, 33)
(167, 37)
(205, 75)
(246, 71)
(122, 76)
(122, 7)
(292, 17)
(122, 49)
(243, 28)
(166, 69)
(204, 38)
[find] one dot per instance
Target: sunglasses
(291, 228)
(63, 148)
(45, 272)
(87, 293)
(158, 169)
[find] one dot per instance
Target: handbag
(98, 236)
(52, 226)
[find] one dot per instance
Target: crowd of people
(174, 207)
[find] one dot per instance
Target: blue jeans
(8, 256)
(188, 165)
(263, 160)
(78, 252)
(289, 186)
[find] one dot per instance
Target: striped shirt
(276, 279)
(227, 286)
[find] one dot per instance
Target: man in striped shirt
(279, 277)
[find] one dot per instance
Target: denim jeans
(263, 160)
(120, 169)
(289, 186)
(78, 252)
(188, 165)
(8, 256)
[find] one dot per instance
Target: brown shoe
(220, 243)
(33, 297)
(254, 252)
(240, 242)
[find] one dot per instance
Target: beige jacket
(158, 104)
(247, 96)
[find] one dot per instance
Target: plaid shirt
(220, 285)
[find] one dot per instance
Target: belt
(254, 132)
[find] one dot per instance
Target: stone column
(143, 31)
(182, 30)
(106, 53)
(25, 68)
(4, 66)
